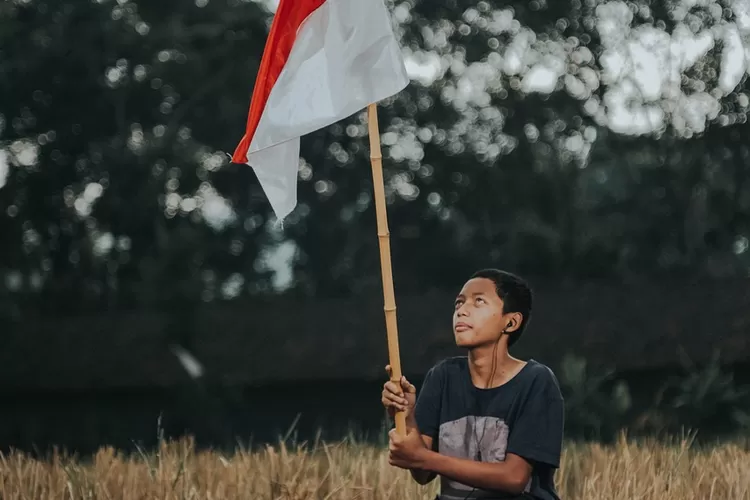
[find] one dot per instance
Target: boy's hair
(516, 295)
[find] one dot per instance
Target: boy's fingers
(393, 388)
(392, 407)
(395, 399)
(407, 386)
(391, 404)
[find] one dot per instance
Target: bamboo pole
(391, 325)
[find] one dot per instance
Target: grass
(347, 470)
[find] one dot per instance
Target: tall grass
(348, 470)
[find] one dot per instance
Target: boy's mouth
(462, 327)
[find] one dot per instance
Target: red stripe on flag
(289, 16)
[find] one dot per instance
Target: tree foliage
(578, 139)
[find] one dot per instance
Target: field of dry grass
(346, 471)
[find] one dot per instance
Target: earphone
(477, 439)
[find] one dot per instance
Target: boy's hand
(406, 452)
(399, 398)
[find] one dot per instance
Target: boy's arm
(511, 476)
(425, 418)
(421, 476)
(538, 431)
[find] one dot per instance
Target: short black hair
(515, 293)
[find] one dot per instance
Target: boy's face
(478, 317)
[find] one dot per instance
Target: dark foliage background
(575, 142)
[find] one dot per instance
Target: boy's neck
(480, 366)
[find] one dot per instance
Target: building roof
(254, 342)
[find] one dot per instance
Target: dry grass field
(344, 471)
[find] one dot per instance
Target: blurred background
(599, 148)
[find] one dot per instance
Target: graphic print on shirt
(476, 438)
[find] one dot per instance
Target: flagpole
(391, 325)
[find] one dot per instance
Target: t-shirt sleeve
(427, 409)
(537, 432)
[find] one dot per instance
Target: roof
(255, 342)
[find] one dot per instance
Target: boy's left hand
(406, 452)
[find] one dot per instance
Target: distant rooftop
(628, 328)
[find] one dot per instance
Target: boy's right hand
(397, 398)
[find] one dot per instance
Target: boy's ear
(514, 322)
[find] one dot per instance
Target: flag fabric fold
(324, 60)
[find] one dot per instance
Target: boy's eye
(480, 300)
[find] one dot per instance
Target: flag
(324, 60)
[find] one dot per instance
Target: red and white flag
(324, 60)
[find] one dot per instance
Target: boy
(488, 424)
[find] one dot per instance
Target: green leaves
(707, 396)
(595, 403)
(504, 151)
(704, 399)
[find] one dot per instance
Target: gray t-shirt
(524, 416)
